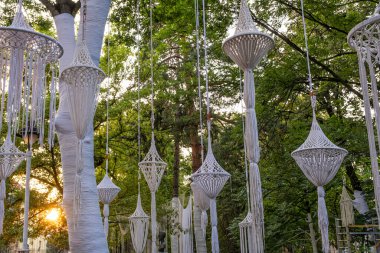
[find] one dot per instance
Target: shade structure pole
(26, 201)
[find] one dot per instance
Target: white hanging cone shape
(211, 178)
(139, 226)
(246, 234)
(153, 167)
(82, 80)
(319, 160)
(346, 208)
(107, 192)
(10, 159)
(24, 54)
(203, 202)
(186, 223)
(247, 46)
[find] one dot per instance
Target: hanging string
(307, 48)
(138, 91)
(245, 145)
(151, 62)
(199, 76)
(84, 19)
(107, 95)
(206, 72)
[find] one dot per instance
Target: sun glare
(53, 215)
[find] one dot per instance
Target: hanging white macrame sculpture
(246, 231)
(153, 167)
(364, 38)
(186, 224)
(211, 178)
(139, 226)
(346, 208)
(203, 202)
(24, 54)
(107, 191)
(10, 158)
(82, 80)
(246, 47)
(319, 160)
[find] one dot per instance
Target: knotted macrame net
(246, 47)
(246, 231)
(139, 226)
(319, 160)
(82, 80)
(107, 192)
(10, 159)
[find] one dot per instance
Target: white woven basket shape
(319, 158)
(107, 190)
(200, 198)
(247, 46)
(246, 234)
(82, 79)
(211, 177)
(10, 158)
(20, 35)
(153, 167)
(139, 226)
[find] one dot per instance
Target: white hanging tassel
(346, 208)
(154, 221)
(214, 224)
(204, 222)
(323, 220)
(78, 184)
(2, 209)
(106, 213)
(246, 242)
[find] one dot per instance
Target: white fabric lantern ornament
(318, 158)
(203, 202)
(107, 191)
(139, 226)
(82, 80)
(346, 208)
(10, 159)
(364, 38)
(24, 54)
(246, 47)
(246, 231)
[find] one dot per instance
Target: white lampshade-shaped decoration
(153, 167)
(246, 47)
(10, 159)
(211, 178)
(107, 191)
(24, 55)
(364, 39)
(346, 208)
(82, 80)
(319, 160)
(203, 202)
(246, 230)
(139, 226)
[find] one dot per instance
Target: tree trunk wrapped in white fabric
(203, 202)
(246, 48)
(139, 226)
(364, 39)
(346, 208)
(176, 226)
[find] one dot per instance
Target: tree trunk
(196, 150)
(89, 235)
(174, 238)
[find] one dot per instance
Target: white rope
(151, 62)
(138, 91)
(245, 145)
(306, 47)
(107, 95)
(199, 77)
